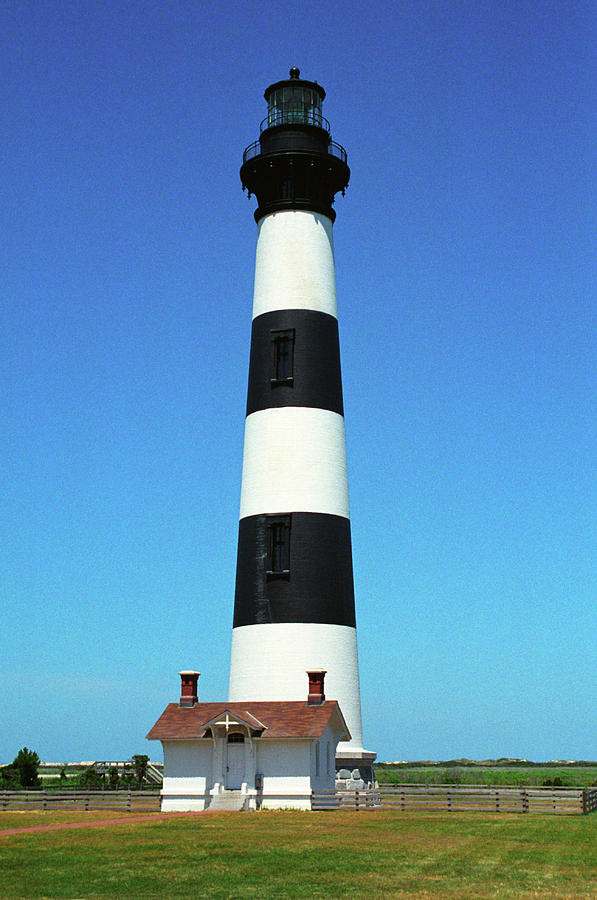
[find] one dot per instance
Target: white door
(235, 761)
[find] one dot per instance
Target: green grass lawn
(289, 854)
(33, 818)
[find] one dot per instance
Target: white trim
(294, 461)
(294, 265)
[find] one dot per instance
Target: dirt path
(59, 827)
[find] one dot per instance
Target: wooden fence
(402, 797)
(457, 798)
(126, 801)
(590, 800)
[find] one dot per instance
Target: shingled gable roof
(279, 719)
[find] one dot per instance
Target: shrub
(9, 780)
(26, 764)
(140, 761)
(128, 781)
(91, 779)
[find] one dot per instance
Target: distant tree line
(23, 773)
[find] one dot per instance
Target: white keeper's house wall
(297, 767)
(188, 775)
(286, 768)
(291, 771)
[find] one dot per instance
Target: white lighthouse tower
(294, 605)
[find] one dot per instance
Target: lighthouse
(294, 608)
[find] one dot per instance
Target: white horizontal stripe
(269, 662)
(294, 266)
(294, 461)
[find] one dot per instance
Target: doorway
(235, 760)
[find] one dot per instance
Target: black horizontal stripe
(319, 584)
(316, 380)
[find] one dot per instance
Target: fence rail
(127, 801)
(458, 798)
(411, 797)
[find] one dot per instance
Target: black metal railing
(337, 150)
(251, 151)
(295, 117)
(334, 149)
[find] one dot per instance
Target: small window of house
(235, 737)
(282, 357)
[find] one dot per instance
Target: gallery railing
(334, 149)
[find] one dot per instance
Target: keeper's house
(248, 755)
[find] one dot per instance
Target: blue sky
(466, 282)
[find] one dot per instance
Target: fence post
(356, 800)
(525, 801)
(449, 801)
(87, 802)
(584, 801)
(128, 802)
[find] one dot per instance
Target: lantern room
(294, 102)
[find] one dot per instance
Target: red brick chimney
(316, 695)
(188, 687)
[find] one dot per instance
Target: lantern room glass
(294, 105)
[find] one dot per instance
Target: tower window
(278, 546)
(282, 357)
(287, 189)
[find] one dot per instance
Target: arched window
(236, 737)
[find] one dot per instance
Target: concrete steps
(233, 801)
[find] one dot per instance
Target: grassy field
(529, 776)
(299, 855)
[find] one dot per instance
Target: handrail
(251, 151)
(294, 117)
(337, 150)
(254, 149)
